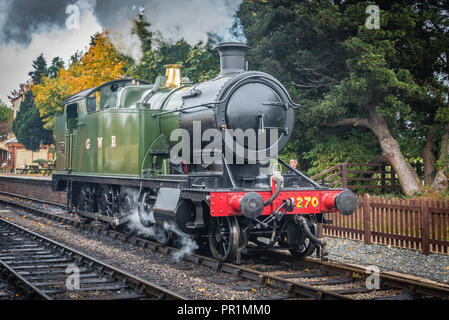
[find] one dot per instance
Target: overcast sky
(31, 27)
(16, 56)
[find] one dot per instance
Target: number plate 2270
(307, 202)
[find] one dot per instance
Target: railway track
(10, 290)
(309, 279)
(42, 268)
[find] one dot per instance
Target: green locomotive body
(116, 136)
(116, 159)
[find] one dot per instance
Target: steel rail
(294, 289)
(151, 290)
(28, 287)
(414, 285)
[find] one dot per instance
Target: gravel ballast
(387, 258)
(191, 282)
(201, 282)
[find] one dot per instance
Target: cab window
(93, 102)
(109, 95)
(105, 97)
(72, 116)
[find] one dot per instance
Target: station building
(19, 157)
(14, 155)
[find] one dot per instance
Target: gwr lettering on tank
(100, 143)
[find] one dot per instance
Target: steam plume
(188, 245)
(22, 18)
(173, 20)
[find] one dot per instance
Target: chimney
(232, 57)
(173, 75)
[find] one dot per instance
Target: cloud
(190, 20)
(193, 20)
(16, 59)
(28, 28)
(24, 18)
(172, 20)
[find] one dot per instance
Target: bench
(28, 169)
(21, 170)
(48, 170)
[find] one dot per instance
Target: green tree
(5, 119)
(145, 35)
(377, 81)
(200, 62)
(28, 126)
(56, 65)
(40, 69)
(432, 70)
(5, 112)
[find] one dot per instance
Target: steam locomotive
(118, 156)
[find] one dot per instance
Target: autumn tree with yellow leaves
(101, 63)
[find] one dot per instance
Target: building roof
(4, 144)
(17, 98)
(12, 140)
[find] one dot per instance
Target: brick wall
(38, 188)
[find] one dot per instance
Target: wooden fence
(361, 177)
(413, 224)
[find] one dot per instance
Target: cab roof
(85, 93)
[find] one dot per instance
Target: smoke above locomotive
(58, 28)
(171, 21)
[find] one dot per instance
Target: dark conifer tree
(56, 64)
(40, 69)
(28, 126)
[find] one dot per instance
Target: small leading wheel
(224, 238)
(306, 248)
